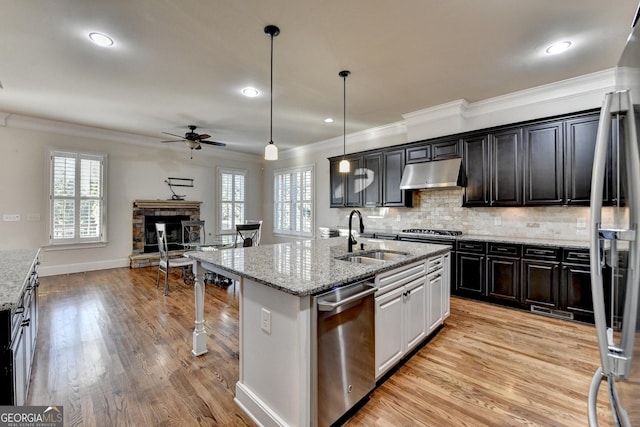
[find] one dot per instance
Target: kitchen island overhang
(276, 285)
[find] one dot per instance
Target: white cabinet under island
(277, 284)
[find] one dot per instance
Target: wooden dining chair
(166, 263)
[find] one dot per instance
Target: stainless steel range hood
(438, 174)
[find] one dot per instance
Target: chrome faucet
(351, 241)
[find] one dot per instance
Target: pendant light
(344, 165)
(271, 149)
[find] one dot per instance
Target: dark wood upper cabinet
(373, 166)
(419, 154)
(506, 167)
(336, 184)
(346, 188)
(447, 149)
(535, 163)
(354, 184)
(475, 161)
(392, 195)
(580, 142)
(544, 164)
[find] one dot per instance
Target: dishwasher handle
(325, 305)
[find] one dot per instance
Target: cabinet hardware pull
(25, 322)
(19, 310)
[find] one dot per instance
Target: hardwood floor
(114, 351)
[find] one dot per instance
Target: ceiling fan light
(344, 166)
(271, 151)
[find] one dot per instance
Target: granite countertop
(564, 243)
(15, 266)
(309, 266)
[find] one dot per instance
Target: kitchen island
(277, 283)
(18, 322)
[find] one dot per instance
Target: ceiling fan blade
(204, 136)
(173, 140)
(173, 134)
(219, 144)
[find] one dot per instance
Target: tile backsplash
(442, 209)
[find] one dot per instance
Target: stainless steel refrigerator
(615, 242)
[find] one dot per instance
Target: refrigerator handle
(632, 158)
(597, 186)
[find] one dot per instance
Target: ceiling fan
(193, 140)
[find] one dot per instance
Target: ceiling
(176, 63)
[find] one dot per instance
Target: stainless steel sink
(360, 259)
(373, 257)
(384, 255)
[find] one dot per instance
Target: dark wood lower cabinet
(541, 282)
(470, 277)
(576, 296)
(557, 281)
(503, 278)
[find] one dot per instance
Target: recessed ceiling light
(101, 39)
(558, 47)
(251, 92)
(328, 120)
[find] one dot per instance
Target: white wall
(137, 169)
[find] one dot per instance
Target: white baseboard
(54, 270)
(256, 409)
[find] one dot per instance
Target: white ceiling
(176, 63)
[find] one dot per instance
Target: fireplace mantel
(166, 204)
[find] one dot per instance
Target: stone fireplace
(145, 214)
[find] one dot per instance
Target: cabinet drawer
(476, 247)
(541, 252)
(434, 264)
(576, 256)
(392, 279)
(17, 315)
(504, 249)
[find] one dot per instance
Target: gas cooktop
(435, 232)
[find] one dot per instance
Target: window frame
(310, 200)
(234, 173)
(77, 240)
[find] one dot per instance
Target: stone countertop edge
(564, 243)
(15, 266)
(309, 267)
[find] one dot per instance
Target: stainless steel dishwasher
(344, 365)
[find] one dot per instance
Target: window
(77, 198)
(232, 199)
(293, 201)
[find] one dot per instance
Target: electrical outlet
(497, 220)
(266, 321)
(33, 217)
(581, 223)
(11, 217)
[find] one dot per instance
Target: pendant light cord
(271, 98)
(344, 74)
